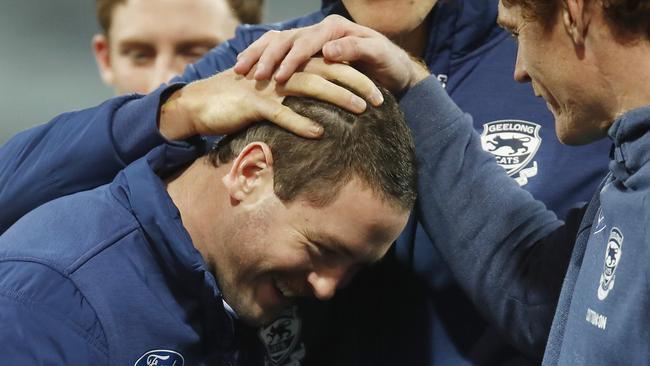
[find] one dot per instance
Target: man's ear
(102, 53)
(251, 175)
(576, 16)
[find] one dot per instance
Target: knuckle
(280, 113)
(308, 82)
(353, 47)
(334, 18)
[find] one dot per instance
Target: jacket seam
(23, 299)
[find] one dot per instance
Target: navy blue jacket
(475, 58)
(110, 277)
(514, 257)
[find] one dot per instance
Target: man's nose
(521, 74)
(324, 282)
(166, 68)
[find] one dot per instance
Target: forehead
(358, 220)
(171, 19)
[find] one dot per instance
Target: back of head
(375, 146)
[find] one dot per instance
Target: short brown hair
(630, 17)
(542, 10)
(246, 11)
(375, 146)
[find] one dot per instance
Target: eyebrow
(134, 43)
(202, 42)
(330, 242)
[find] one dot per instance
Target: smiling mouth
(283, 291)
(286, 290)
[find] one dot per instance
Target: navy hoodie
(514, 257)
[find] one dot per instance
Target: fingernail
(358, 103)
(316, 130)
(376, 98)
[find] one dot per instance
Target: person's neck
(199, 196)
(416, 41)
(629, 75)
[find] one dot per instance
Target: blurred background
(46, 63)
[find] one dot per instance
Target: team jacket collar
(631, 139)
(139, 189)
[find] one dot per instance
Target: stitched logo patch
(282, 337)
(612, 259)
(514, 144)
(160, 357)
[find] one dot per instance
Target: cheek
(290, 257)
(264, 250)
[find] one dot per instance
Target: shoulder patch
(612, 259)
(514, 144)
(160, 357)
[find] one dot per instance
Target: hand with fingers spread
(340, 40)
(227, 102)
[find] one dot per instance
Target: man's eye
(194, 53)
(322, 252)
(139, 56)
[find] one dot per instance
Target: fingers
(351, 49)
(249, 57)
(266, 53)
(301, 51)
(347, 76)
(311, 40)
(388, 64)
(284, 52)
(286, 118)
(272, 55)
(314, 86)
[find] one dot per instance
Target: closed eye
(322, 252)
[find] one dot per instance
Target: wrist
(419, 71)
(174, 123)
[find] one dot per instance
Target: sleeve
(76, 151)
(34, 337)
(507, 251)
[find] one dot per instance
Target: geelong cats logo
(514, 144)
(612, 258)
(282, 339)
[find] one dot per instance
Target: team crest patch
(514, 144)
(612, 259)
(282, 339)
(160, 357)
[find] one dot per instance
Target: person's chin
(262, 318)
(270, 303)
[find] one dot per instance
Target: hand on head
(340, 40)
(227, 102)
